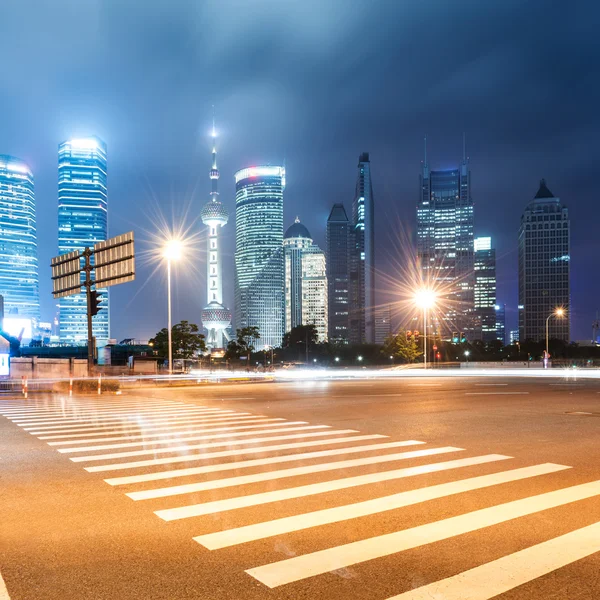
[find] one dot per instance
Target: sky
(313, 83)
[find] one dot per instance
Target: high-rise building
(82, 221)
(383, 323)
(259, 265)
(513, 335)
(362, 257)
(544, 255)
(305, 281)
(501, 323)
(19, 283)
(338, 274)
(485, 287)
(216, 318)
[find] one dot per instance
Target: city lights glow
(425, 298)
(84, 143)
(260, 172)
(173, 249)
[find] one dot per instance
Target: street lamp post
(425, 299)
(172, 252)
(559, 312)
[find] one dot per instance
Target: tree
(186, 337)
(405, 351)
(301, 334)
(243, 345)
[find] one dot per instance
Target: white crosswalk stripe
(172, 433)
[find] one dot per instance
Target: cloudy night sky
(314, 83)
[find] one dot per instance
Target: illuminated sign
(260, 172)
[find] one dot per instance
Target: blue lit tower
(259, 263)
(18, 245)
(82, 221)
(215, 317)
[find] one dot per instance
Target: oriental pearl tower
(216, 318)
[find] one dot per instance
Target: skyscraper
(501, 323)
(445, 243)
(544, 255)
(19, 282)
(362, 257)
(338, 274)
(259, 265)
(383, 323)
(305, 281)
(82, 221)
(216, 318)
(485, 287)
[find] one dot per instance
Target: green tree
(403, 350)
(301, 334)
(186, 338)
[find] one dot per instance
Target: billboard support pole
(88, 294)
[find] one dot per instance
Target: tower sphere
(214, 213)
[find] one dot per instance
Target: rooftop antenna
(464, 147)
(425, 148)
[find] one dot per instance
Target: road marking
(195, 438)
(259, 531)
(496, 393)
(316, 563)
(258, 462)
(506, 573)
(3, 591)
(59, 408)
(208, 508)
(128, 427)
(210, 455)
(187, 447)
(578, 412)
(76, 411)
(283, 473)
(147, 418)
(490, 384)
(144, 426)
(145, 436)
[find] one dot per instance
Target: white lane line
(506, 573)
(3, 591)
(496, 393)
(144, 418)
(208, 508)
(136, 428)
(323, 561)
(103, 409)
(187, 447)
(141, 424)
(210, 455)
(179, 439)
(257, 462)
(259, 531)
(146, 436)
(283, 473)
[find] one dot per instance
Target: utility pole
(87, 253)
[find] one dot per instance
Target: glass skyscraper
(338, 274)
(82, 221)
(259, 262)
(19, 283)
(485, 287)
(544, 260)
(445, 244)
(362, 257)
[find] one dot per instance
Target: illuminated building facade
(82, 221)
(485, 287)
(362, 257)
(445, 244)
(338, 274)
(259, 262)
(19, 283)
(544, 274)
(500, 310)
(305, 281)
(216, 318)
(383, 323)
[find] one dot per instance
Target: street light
(467, 355)
(425, 299)
(172, 252)
(559, 312)
(359, 358)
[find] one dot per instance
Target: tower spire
(425, 149)
(464, 147)
(214, 172)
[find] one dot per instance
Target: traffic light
(455, 337)
(95, 300)
(408, 335)
(463, 338)
(416, 335)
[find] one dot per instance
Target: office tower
(513, 335)
(18, 243)
(501, 323)
(259, 266)
(338, 274)
(305, 281)
(544, 255)
(362, 257)
(216, 318)
(445, 244)
(383, 323)
(82, 221)
(485, 287)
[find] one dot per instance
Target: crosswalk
(214, 468)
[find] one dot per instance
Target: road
(405, 489)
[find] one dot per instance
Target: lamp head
(172, 250)
(425, 298)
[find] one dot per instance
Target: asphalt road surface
(443, 489)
